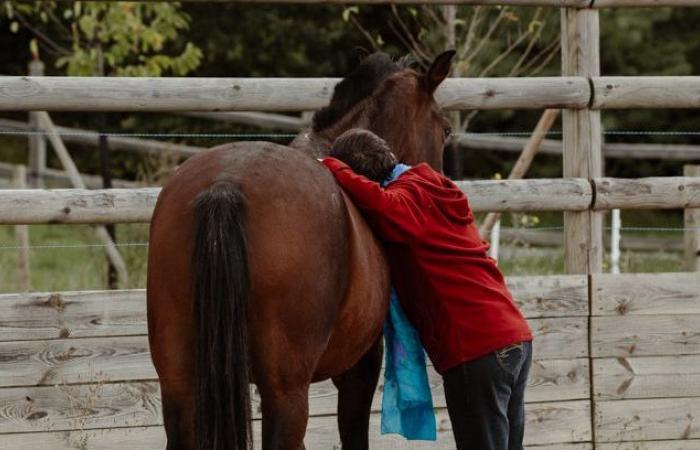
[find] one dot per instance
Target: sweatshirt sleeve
(393, 212)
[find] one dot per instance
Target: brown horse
(260, 270)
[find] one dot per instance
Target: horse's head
(396, 103)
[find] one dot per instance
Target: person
(451, 290)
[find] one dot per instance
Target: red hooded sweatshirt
(451, 290)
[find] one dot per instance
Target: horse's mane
(355, 87)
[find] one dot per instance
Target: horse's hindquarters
(317, 284)
(364, 306)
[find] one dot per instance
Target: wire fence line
(64, 246)
(76, 245)
(38, 132)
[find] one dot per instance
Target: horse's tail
(221, 284)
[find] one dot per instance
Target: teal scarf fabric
(407, 402)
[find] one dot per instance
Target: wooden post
(583, 158)
(37, 143)
(19, 181)
(522, 165)
(77, 181)
(106, 172)
(455, 170)
(692, 225)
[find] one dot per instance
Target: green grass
(74, 268)
(518, 260)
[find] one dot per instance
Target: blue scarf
(395, 173)
(407, 403)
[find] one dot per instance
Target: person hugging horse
(451, 290)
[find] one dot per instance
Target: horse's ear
(439, 70)
(361, 53)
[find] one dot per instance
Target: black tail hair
(221, 283)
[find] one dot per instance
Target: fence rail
(91, 138)
(69, 349)
(303, 94)
(551, 3)
(100, 206)
(671, 152)
(92, 347)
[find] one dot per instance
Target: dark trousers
(485, 399)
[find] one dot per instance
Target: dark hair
(366, 153)
(355, 87)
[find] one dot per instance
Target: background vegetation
(220, 39)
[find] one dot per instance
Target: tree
(107, 38)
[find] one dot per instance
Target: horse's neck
(315, 144)
(319, 143)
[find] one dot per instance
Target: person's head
(366, 153)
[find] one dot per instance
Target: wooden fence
(100, 206)
(553, 3)
(77, 369)
(617, 358)
(305, 94)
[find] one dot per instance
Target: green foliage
(110, 38)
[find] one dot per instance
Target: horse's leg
(285, 414)
(355, 392)
(177, 411)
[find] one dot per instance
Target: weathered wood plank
(582, 139)
(266, 94)
(546, 423)
(560, 337)
(47, 362)
(141, 438)
(658, 335)
(645, 294)
(77, 205)
(136, 205)
(648, 419)
(30, 316)
(513, 93)
(549, 380)
(305, 94)
(101, 403)
(19, 181)
(322, 435)
(551, 296)
(647, 193)
(558, 379)
(72, 314)
(528, 195)
(67, 361)
(76, 407)
(691, 221)
(652, 445)
(646, 92)
(647, 377)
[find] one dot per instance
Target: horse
(261, 271)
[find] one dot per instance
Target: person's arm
(367, 195)
(393, 212)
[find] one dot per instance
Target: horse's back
(299, 256)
